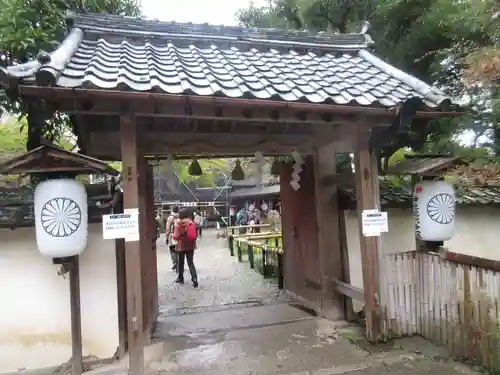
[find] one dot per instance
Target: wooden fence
(264, 253)
(446, 299)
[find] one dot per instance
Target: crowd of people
(253, 215)
(183, 227)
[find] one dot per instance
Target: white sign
(374, 222)
(124, 225)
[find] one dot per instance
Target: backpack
(191, 233)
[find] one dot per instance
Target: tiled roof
(46, 157)
(257, 191)
(17, 210)
(390, 196)
(402, 196)
(114, 52)
(425, 165)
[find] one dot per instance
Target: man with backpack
(169, 231)
(185, 234)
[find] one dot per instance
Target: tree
(13, 140)
(430, 39)
(211, 168)
(483, 62)
(31, 26)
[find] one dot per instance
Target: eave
(48, 158)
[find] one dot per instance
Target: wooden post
(231, 243)
(327, 217)
(238, 249)
(250, 255)
(368, 199)
(346, 270)
(130, 149)
(76, 316)
(263, 256)
(121, 290)
(281, 280)
(152, 266)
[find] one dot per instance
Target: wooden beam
(56, 93)
(469, 260)
(204, 111)
(192, 144)
(351, 291)
(343, 178)
(332, 304)
(367, 199)
(131, 151)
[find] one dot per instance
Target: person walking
(198, 220)
(185, 234)
(169, 240)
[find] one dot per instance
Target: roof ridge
(140, 26)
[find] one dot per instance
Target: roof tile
(402, 196)
(112, 52)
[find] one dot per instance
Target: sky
(215, 12)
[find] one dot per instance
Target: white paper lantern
(61, 218)
(434, 209)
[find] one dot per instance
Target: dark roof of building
(391, 196)
(25, 194)
(267, 180)
(115, 52)
(256, 191)
(187, 192)
(17, 205)
(425, 165)
(47, 158)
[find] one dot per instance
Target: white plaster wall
(477, 233)
(35, 330)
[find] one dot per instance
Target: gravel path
(223, 281)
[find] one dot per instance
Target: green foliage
(429, 39)
(30, 26)
(211, 169)
(116, 165)
(13, 135)
(13, 140)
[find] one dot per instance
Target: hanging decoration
(156, 182)
(276, 167)
(195, 168)
(434, 210)
(170, 175)
(237, 174)
(297, 168)
(260, 162)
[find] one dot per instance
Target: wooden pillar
(148, 248)
(368, 198)
(130, 150)
(327, 214)
(153, 266)
(76, 316)
(121, 290)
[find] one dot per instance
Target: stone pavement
(223, 281)
(236, 323)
